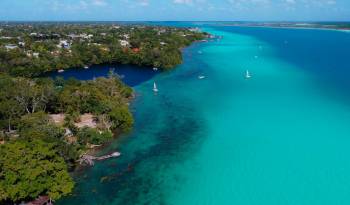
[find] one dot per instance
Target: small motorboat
(201, 77)
(155, 68)
(86, 67)
(60, 71)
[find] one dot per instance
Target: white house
(36, 55)
(11, 46)
(72, 36)
(124, 43)
(194, 29)
(63, 44)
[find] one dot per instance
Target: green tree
(10, 110)
(38, 126)
(30, 169)
(121, 118)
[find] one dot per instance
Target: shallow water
(281, 137)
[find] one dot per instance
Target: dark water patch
(129, 74)
(146, 186)
(143, 178)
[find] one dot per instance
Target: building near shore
(11, 46)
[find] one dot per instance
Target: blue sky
(191, 10)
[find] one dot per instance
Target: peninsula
(32, 49)
(47, 125)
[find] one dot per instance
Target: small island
(49, 125)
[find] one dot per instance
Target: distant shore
(289, 27)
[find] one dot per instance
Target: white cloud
(290, 1)
(143, 2)
(331, 2)
(249, 4)
(99, 3)
(183, 1)
(57, 5)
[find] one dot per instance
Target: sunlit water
(280, 137)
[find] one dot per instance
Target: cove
(281, 137)
(130, 74)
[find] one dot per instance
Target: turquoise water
(281, 137)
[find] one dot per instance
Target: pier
(86, 159)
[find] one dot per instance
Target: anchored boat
(155, 89)
(247, 74)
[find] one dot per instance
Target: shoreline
(117, 135)
(291, 27)
(73, 167)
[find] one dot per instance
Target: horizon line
(250, 21)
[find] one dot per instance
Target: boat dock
(89, 160)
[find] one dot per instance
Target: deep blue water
(129, 74)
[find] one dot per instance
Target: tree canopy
(29, 169)
(36, 152)
(50, 47)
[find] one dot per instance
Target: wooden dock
(89, 160)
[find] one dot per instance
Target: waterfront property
(281, 137)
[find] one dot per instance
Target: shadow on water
(174, 144)
(143, 178)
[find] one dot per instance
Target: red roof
(41, 200)
(136, 50)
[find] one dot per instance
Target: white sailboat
(155, 89)
(247, 74)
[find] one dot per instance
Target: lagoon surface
(130, 75)
(281, 137)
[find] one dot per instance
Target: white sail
(155, 89)
(247, 74)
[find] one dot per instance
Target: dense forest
(31, 50)
(47, 124)
(36, 152)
